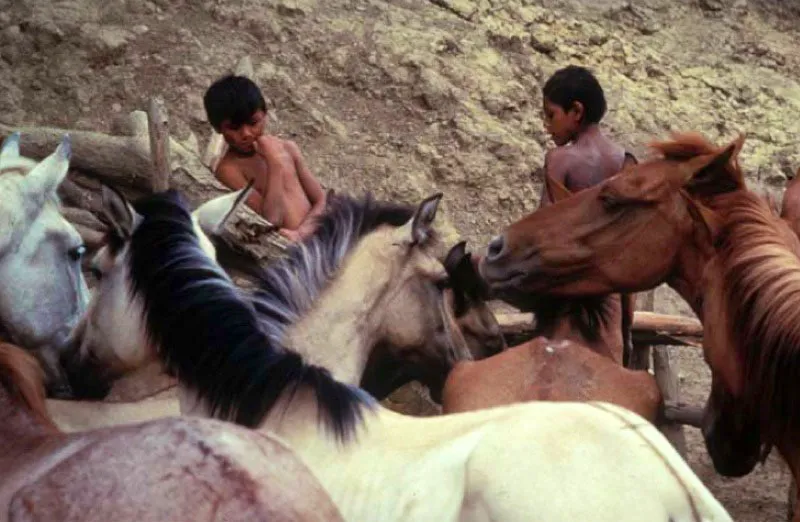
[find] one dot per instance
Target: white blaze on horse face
(43, 293)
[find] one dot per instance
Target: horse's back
(562, 461)
(541, 370)
(176, 469)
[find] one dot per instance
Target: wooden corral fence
(653, 334)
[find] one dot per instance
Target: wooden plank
(683, 414)
(648, 328)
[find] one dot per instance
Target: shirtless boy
(285, 192)
(574, 104)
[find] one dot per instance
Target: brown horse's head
(624, 234)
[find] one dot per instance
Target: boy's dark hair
(574, 83)
(233, 98)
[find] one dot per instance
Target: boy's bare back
(586, 162)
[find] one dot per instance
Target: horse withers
(42, 290)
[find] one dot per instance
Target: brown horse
(576, 355)
(542, 370)
(685, 218)
(559, 363)
(170, 469)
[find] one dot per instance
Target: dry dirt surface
(408, 97)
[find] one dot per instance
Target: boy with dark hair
(284, 192)
(574, 104)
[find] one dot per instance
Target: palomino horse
(170, 469)
(42, 290)
(330, 299)
(687, 219)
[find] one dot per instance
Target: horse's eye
(77, 253)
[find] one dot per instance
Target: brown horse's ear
(556, 190)
(713, 174)
(707, 218)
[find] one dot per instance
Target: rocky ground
(407, 97)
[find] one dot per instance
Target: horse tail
(23, 379)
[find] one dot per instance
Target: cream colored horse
(295, 375)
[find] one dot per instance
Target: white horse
(42, 291)
(162, 295)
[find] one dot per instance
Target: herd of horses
(278, 414)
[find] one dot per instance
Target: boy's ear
(578, 108)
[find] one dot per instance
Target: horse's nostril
(496, 246)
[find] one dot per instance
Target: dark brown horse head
(624, 234)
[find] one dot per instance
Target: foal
(170, 469)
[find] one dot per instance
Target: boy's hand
(291, 235)
(261, 145)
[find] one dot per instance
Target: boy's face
(242, 137)
(562, 125)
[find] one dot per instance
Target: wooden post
(158, 127)
(667, 378)
(640, 358)
(217, 147)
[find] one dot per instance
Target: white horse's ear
(118, 213)
(422, 222)
(213, 214)
(43, 180)
(10, 148)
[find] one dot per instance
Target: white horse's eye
(76, 253)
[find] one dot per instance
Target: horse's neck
(341, 328)
(565, 326)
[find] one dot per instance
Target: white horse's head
(111, 339)
(42, 290)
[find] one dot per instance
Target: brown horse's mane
(22, 378)
(760, 293)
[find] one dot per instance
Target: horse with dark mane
(686, 218)
(166, 297)
(169, 469)
(576, 355)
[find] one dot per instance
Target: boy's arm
(310, 185)
(232, 177)
(555, 168)
(272, 205)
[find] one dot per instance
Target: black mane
(209, 336)
(588, 314)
